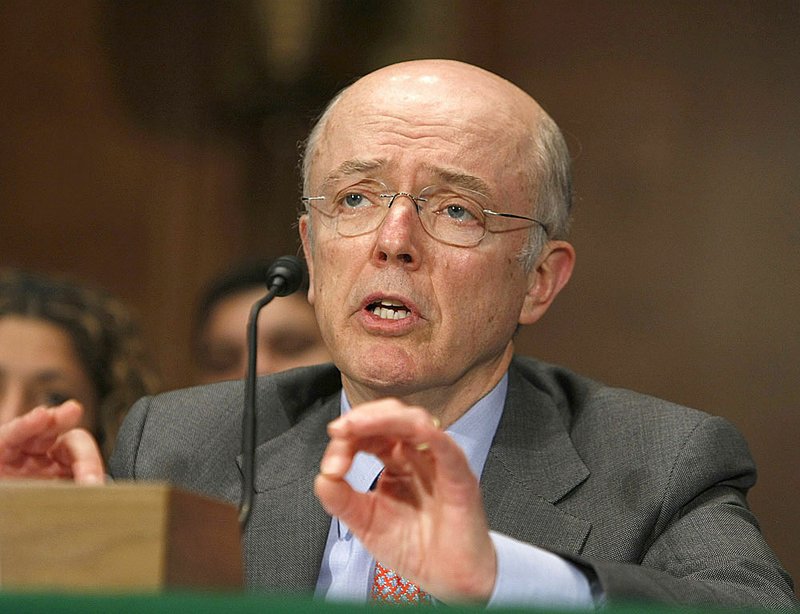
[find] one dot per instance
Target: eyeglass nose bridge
(419, 209)
(414, 199)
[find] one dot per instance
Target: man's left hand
(425, 518)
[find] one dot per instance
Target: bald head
(423, 181)
(445, 85)
(497, 118)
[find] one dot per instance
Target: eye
(459, 213)
(291, 343)
(354, 200)
(358, 195)
(52, 399)
(455, 209)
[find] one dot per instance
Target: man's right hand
(47, 443)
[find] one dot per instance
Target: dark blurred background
(145, 146)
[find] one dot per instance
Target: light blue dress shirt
(526, 575)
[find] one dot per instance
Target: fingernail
(335, 425)
(331, 466)
(92, 480)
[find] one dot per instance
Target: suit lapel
(531, 466)
(286, 535)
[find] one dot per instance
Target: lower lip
(373, 323)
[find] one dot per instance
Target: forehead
(416, 130)
(36, 344)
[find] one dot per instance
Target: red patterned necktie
(391, 589)
(388, 588)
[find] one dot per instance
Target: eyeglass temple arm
(517, 217)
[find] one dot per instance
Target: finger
(388, 419)
(60, 419)
(15, 433)
(77, 453)
(330, 486)
(337, 458)
(66, 416)
(36, 430)
(31, 466)
(46, 421)
(339, 499)
(377, 429)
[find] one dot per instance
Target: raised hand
(425, 518)
(46, 443)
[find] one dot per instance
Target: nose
(398, 235)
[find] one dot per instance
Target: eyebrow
(449, 176)
(354, 166)
(457, 178)
(47, 376)
(51, 376)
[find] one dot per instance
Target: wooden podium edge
(204, 549)
(55, 535)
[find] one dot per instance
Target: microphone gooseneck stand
(283, 278)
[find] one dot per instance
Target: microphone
(284, 277)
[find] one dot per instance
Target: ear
(305, 238)
(551, 273)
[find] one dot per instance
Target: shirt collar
(473, 432)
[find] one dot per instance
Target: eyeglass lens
(448, 214)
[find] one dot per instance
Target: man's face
(401, 311)
(288, 336)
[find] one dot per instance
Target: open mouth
(389, 310)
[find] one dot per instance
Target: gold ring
(437, 423)
(421, 447)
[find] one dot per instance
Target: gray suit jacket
(646, 496)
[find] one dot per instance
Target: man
(288, 335)
(437, 206)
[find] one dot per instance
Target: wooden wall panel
(682, 119)
(90, 190)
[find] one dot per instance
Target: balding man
(428, 462)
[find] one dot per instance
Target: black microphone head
(285, 275)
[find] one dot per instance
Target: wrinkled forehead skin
(462, 115)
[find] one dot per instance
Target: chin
(391, 380)
(390, 371)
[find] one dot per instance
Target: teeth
(390, 310)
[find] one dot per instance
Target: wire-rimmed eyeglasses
(453, 215)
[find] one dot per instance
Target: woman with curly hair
(62, 340)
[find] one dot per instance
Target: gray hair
(312, 142)
(309, 151)
(550, 186)
(549, 180)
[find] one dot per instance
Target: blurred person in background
(288, 335)
(63, 340)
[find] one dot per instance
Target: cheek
(339, 262)
(481, 275)
(331, 284)
(499, 290)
